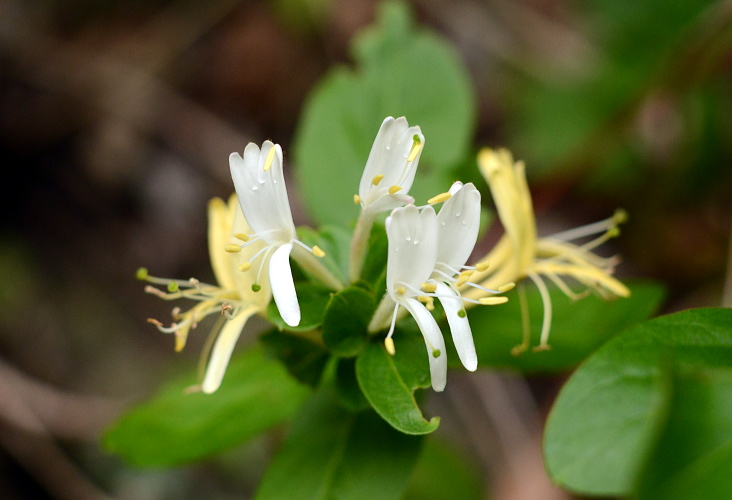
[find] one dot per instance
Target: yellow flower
(234, 297)
(520, 253)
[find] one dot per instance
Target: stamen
(493, 301)
(173, 286)
(154, 322)
(270, 159)
(141, 274)
(231, 248)
(394, 189)
(525, 323)
(620, 216)
(245, 266)
(389, 344)
(377, 179)
(401, 290)
(436, 353)
(482, 266)
(508, 286)
(356, 199)
(416, 147)
(547, 301)
(464, 277)
(439, 198)
(428, 287)
(317, 251)
(256, 287)
(241, 236)
(462, 313)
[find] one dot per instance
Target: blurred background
(116, 121)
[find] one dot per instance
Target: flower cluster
(252, 239)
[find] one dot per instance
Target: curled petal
(433, 340)
(462, 336)
(283, 286)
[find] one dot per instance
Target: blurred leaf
(608, 416)
(346, 318)
(694, 456)
(174, 427)
(304, 359)
(334, 454)
(346, 385)
(443, 474)
(335, 242)
(389, 382)
(312, 298)
(578, 327)
(400, 71)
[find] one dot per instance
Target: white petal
(433, 341)
(283, 286)
(459, 326)
(412, 251)
(458, 223)
(222, 349)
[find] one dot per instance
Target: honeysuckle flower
(520, 253)
(391, 166)
(386, 180)
(233, 297)
(260, 184)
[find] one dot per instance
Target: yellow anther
(463, 277)
(270, 159)
(482, 266)
(439, 198)
(231, 248)
(613, 232)
(180, 340)
(401, 290)
(245, 266)
(318, 252)
(620, 216)
(389, 344)
(508, 286)
(416, 147)
(428, 287)
(241, 236)
(356, 199)
(377, 179)
(493, 301)
(394, 189)
(430, 305)
(423, 298)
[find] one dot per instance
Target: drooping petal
(433, 340)
(458, 224)
(412, 236)
(283, 286)
(222, 349)
(462, 336)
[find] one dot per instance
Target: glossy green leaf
(346, 385)
(346, 317)
(174, 427)
(312, 298)
(607, 417)
(578, 327)
(303, 357)
(389, 382)
(693, 458)
(334, 454)
(444, 474)
(400, 71)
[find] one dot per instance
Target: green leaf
(174, 427)
(389, 382)
(444, 474)
(400, 71)
(578, 328)
(303, 357)
(346, 385)
(346, 318)
(694, 456)
(335, 454)
(335, 242)
(607, 417)
(374, 265)
(312, 298)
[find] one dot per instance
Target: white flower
(458, 223)
(260, 184)
(233, 297)
(391, 166)
(412, 239)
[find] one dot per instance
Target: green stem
(359, 243)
